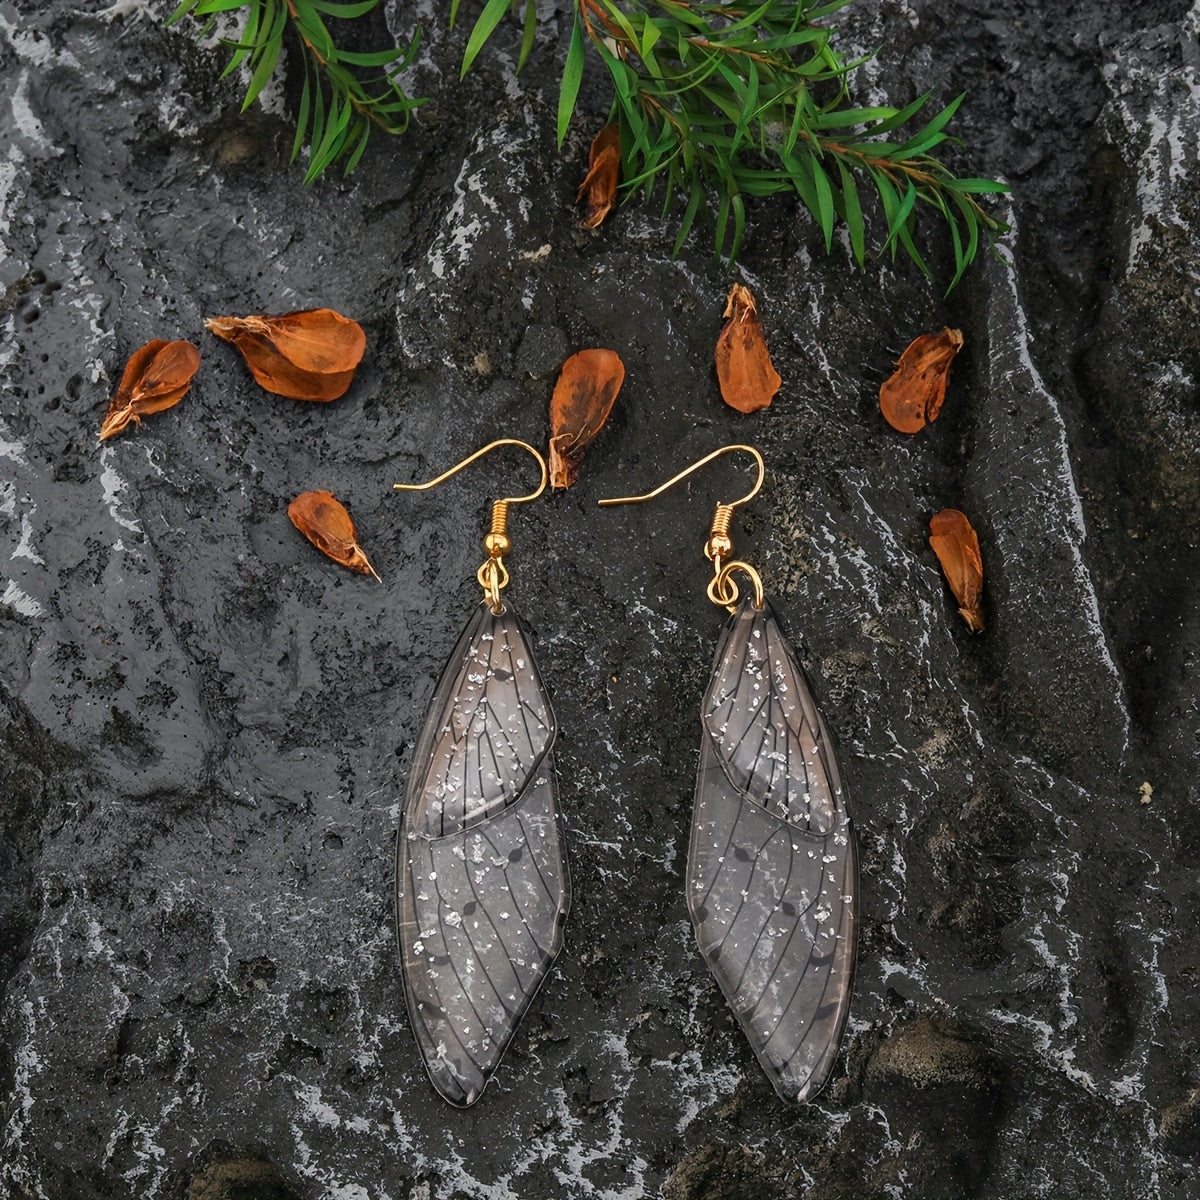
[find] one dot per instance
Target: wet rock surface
(205, 727)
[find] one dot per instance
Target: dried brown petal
(599, 187)
(913, 395)
(747, 378)
(957, 547)
(327, 524)
(155, 378)
(310, 355)
(583, 397)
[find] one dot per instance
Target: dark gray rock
(1180, 1127)
(543, 350)
(722, 1173)
(228, 1175)
(942, 1090)
(206, 727)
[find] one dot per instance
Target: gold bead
(719, 546)
(497, 545)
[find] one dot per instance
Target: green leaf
(182, 11)
(615, 13)
(650, 39)
(687, 17)
(302, 116)
(825, 10)
(972, 228)
(851, 116)
(799, 125)
(749, 104)
(689, 216)
(309, 23)
(800, 172)
(852, 211)
(920, 145)
(572, 77)
(824, 193)
(978, 186)
(955, 240)
(209, 7)
(363, 134)
(318, 124)
(793, 41)
(900, 116)
(722, 221)
(934, 126)
(333, 141)
(891, 205)
(910, 249)
(528, 33)
(263, 72)
(972, 225)
(751, 20)
(266, 55)
(343, 11)
(899, 215)
(373, 58)
(248, 42)
(485, 26)
(322, 149)
(739, 223)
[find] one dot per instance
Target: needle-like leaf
(572, 76)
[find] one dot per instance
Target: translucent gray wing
(481, 922)
(481, 906)
(771, 870)
(489, 726)
(764, 725)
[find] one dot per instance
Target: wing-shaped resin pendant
(481, 869)
(772, 874)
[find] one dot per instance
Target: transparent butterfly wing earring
(481, 870)
(772, 871)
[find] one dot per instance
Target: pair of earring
(482, 882)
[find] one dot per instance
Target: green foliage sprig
(717, 101)
(750, 99)
(338, 107)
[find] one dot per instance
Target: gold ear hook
(662, 487)
(493, 574)
(719, 546)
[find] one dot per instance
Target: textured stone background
(206, 726)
